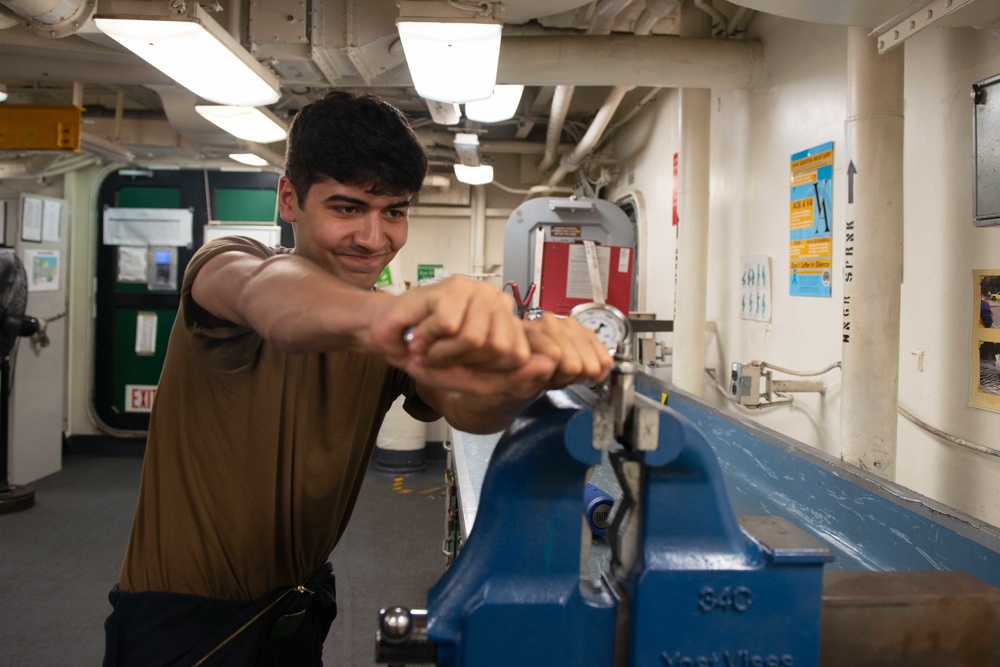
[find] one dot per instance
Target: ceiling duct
(53, 19)
(878, 13)
(624, 60)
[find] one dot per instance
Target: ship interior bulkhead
(781, 216)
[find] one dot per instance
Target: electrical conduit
(692, 231)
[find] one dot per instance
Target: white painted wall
(801, 103)
(441, 234)
(82, 190)
(37, 401)
(437, 238)
(942, 247)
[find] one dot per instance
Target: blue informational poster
(810, 248)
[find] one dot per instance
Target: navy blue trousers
(285, 628)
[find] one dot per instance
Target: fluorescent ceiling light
(501, 106)
(451, 62)
(247, 123)
(196, 52)
(249, 159)
(467, 149)
(443, 113)
(474, 175)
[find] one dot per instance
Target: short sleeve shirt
(255, 457)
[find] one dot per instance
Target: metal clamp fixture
(685, 581)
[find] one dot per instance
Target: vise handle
(401, 637)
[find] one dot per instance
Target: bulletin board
(985, 357)
(986, 148)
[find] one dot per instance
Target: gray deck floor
(59, 559)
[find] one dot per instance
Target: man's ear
(288, 201)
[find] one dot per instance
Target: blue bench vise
(688, 584)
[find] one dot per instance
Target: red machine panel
(566, 278)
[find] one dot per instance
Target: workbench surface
(868, 523)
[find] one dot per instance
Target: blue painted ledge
(869, 523)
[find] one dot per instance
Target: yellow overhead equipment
(40, 127)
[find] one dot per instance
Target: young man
(280, 368)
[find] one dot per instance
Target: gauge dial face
(607, 322)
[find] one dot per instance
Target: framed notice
(31, 219)
(755, 288)
(985, 366)
(810, 247)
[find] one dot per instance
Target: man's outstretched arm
(472, 358)
(563, 353)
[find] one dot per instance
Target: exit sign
(139, 397)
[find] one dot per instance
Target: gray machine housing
(561, 218)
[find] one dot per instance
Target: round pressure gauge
(607, 322)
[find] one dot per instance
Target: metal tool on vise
(687, 583)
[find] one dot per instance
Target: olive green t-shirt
(255, 457)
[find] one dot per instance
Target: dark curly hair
(359, 140)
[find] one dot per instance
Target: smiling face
(350, 231)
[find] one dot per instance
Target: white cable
(507, 188)
(481, 8)
(764, 364)
(717, 15)
(982, 449)
(946, 436)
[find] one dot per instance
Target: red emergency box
(566, 278)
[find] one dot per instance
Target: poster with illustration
(755, 287)
(985, 366)
(42, 267)
(810, 208)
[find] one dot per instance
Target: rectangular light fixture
(452, 53)
(444, 114)
(467, 149)
(250, 159)
(190, 48)
(249, 123)
(480, 175)
(500, 106)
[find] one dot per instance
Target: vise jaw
(688, 585)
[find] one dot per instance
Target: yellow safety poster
(810, 248)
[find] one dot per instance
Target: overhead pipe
(8, 19)
(561, 98)
(119, 113)
(741, 19)
(512, 146)
(48, 18)
(47, 168)
(625, 60)
(571, 161)
(873, 255)
(604, 15)
(692, 229)
(636, 108)
(478, 231)
(654, 12)
(234, 9)
(548, 60)
(717, 16)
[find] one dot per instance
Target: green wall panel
(147, 197)
(245, 205)
(129, 367)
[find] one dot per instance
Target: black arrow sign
(851, 170)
